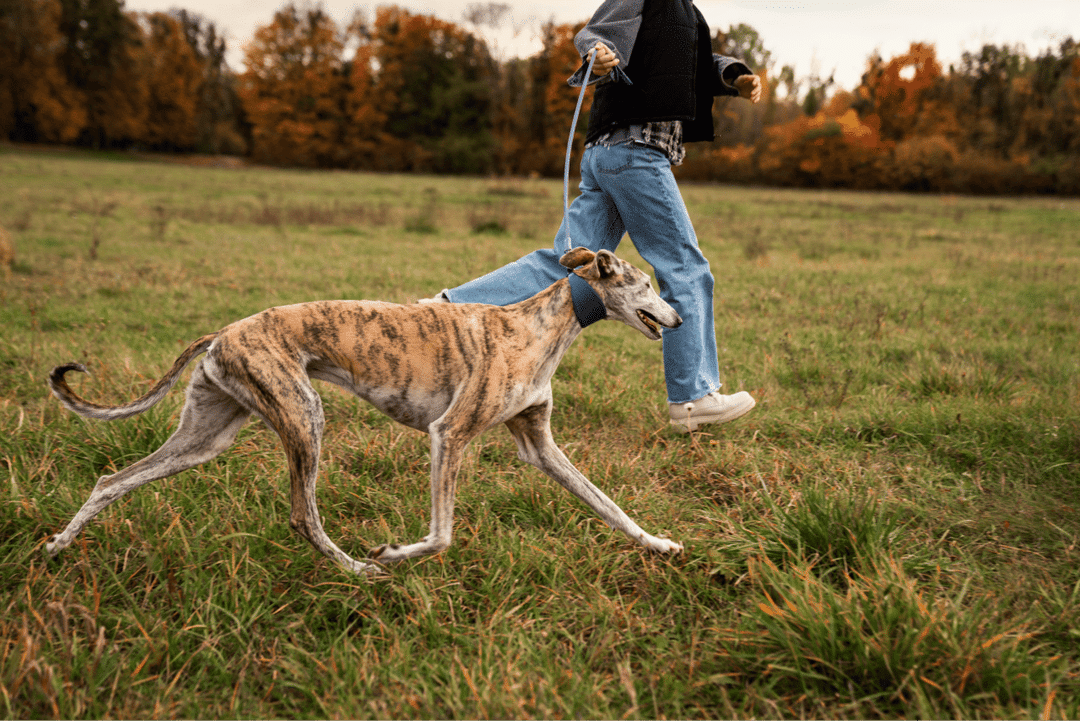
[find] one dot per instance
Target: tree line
(399, 91)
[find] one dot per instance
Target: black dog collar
(587, 304)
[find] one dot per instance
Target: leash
(570, 149)
(588, 307)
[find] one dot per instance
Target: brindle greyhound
(450, 370)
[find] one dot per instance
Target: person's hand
(749, 87)
(605, 59)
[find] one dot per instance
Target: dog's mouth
(649, 321)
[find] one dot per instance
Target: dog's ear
(607, 264)
(578, 256)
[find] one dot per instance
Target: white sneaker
(439, 297)
(713, 408)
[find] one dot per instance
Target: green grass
(892, 533)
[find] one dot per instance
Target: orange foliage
(420, 95)
(365, 133)
(923, 162)
(381, 74)
(293, 87)
(902, 94)
(36, 100)
(119, 108)
(174, 77)
(560, 99)
(899, 130)
(823, 151)
(543, 147)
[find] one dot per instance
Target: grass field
(892, 532)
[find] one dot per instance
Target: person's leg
(512, 283)
(649, 202)
(594, 224)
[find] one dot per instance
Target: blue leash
(570, 149)
(588, 307)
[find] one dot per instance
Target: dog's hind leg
(300, 431)
(532, 432)
(209, 422)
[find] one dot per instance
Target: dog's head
(626, 291)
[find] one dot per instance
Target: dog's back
(410, 361)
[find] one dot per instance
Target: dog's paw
(365, 569)
(662, 545)
(389, 553)
(671, 547)
(380, 550)
(52, 547)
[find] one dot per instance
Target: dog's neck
(553, 325)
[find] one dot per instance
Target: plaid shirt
(666, 136)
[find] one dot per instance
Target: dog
(451, 370)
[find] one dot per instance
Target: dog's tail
(75, 404)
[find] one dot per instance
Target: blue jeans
(629, 188)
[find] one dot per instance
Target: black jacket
(667, 70)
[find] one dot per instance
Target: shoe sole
(694, 422)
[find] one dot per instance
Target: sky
(817, 37)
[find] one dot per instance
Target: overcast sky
(815, 36)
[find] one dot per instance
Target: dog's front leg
(446, 452)
(532, 433)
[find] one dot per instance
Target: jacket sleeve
(615, 23)
(727, 69)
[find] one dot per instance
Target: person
(655, 77)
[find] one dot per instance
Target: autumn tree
(427, 84)
(1016, 106)
(988, 78)
(293, 89)
(37, 102)
(1051, 118)
(735, 121)
(510, 117)
(219, 116)
(174, 77)
(1020, 117)
(745, 43)
(508, 85)
(101, 57)
(548, 102)
(905, 95)
(909, 101)
(365, 137)
(832, 149)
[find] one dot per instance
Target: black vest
(671, 68)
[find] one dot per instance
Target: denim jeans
(629, 188)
